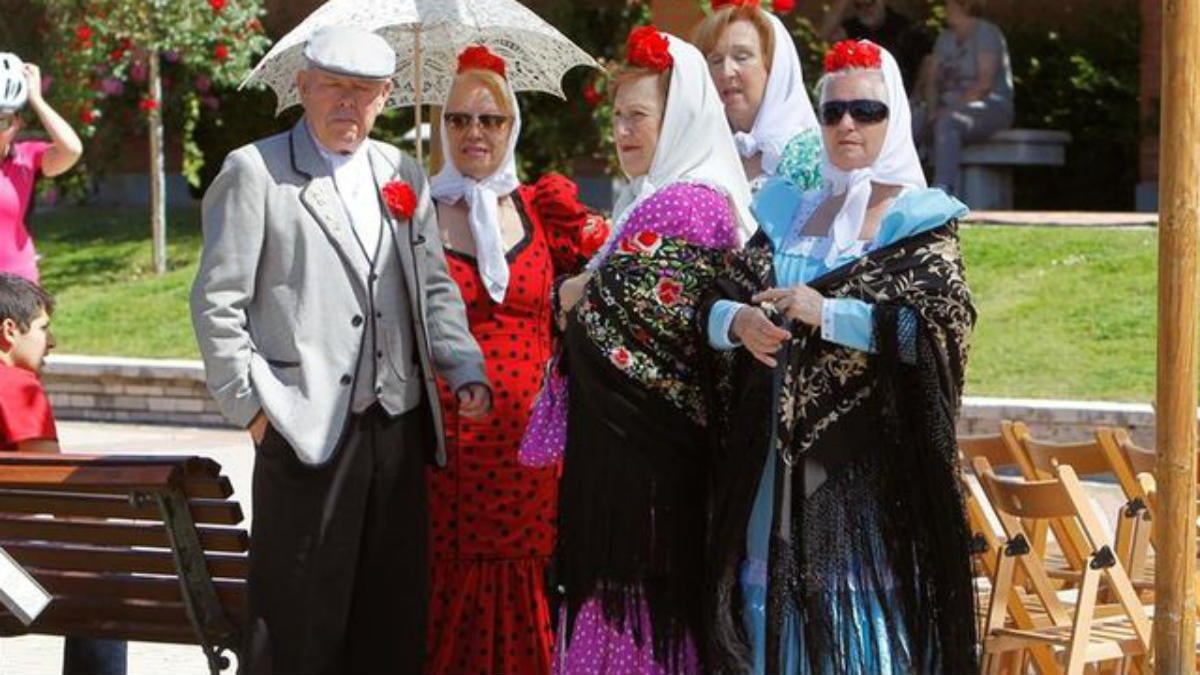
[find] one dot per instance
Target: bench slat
(208, 511)
(218, 488)
(115, 479)
(201, 476)
(140, 632)
(129, 587)
(97, 559)
(116, 534)
(192, 466)
(111, 479)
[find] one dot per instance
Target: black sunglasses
(863, 111)
(459, 121)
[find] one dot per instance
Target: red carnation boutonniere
(853, 54)
(783, 6)
(400, 199)
(648, 48)
(479, 57)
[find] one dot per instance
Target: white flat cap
(351, 51)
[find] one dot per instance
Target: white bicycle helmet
(14, 91)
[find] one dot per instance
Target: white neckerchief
(483, 199)
(356, 188)
(694, 146)
(786, 108)
(897, 164)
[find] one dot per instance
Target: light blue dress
(782, 210)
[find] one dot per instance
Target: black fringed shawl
(632, 495)
(836, 400)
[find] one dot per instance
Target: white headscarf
(483, 198)
(694, 144)
(897, 164)
(786, 108)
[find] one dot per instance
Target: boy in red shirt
(27, 423)
(26, 420)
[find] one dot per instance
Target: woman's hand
(65, 145)
(571, 291)
(33, 80)
(474, 400)
(757, 334)
(799, 303)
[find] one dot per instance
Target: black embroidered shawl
(826, 392)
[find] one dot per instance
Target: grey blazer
(278, 301)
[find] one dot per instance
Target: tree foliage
(101, 62)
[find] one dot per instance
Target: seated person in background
(969, 93)
(27, 423)
(873, 20)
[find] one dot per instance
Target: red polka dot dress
(492, 520)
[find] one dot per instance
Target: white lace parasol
(427, 36)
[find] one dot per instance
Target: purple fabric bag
(545, 436)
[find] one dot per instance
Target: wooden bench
(987, 166)
(136, 548)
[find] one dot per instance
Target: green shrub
(1083, 80)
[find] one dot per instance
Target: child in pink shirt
(22, 163)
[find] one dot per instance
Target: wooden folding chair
(1098, 457)
(1137, 458)
(1079, 635)
(1064, 563)
(1023, 608)
(1002, 450)
(1134, 525)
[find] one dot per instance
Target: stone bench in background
(987, 166)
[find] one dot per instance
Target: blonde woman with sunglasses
(493, 518)
(23, 162)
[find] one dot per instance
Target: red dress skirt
(492, 520)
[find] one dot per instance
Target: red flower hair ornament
(479, 57)
(777, 6)
(400, 199)
(648, 48)
(721, 4)
(853, 54)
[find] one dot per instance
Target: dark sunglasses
(7, 122)
(460, 121)
(863, 111)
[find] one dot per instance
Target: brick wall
(114, 389)
(173, 392)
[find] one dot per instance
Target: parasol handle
(419, 85)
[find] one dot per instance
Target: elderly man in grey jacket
(323, 311)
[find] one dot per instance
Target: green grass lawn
(99, 266)
(1063, 312)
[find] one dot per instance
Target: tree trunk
(158, 190)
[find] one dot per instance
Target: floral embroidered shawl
(631, 517)
(910, 413)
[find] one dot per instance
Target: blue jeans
(91, 656)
